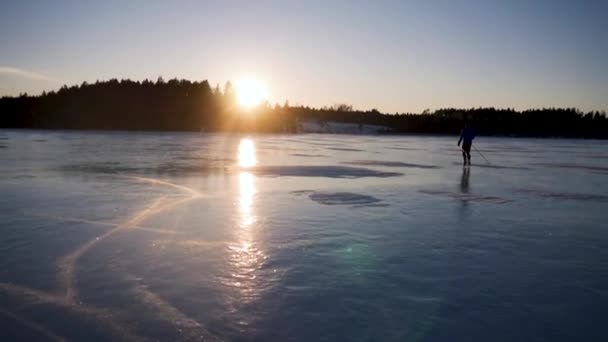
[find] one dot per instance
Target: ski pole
(481, 154)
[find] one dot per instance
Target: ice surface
(389, 163)
(575, 166)
(467, 196)
(344, 149)
(494, 166)
(319, 171)
(565, 195)
(307, 155)
(342, 198)
(183, 237)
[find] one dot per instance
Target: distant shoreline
(405, 134)
(183, 105)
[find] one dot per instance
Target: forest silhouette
(183, 105)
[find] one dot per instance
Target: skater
(466, 137)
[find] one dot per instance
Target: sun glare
(246, 156)
(250, 92)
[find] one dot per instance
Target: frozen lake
(187, 237)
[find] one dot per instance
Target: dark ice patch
(301, 192)
(467, 197)
(276, 147)
(403, 148)
(565, 146)
(343, 198)
(307, 155)
(99, 167)
(596, 156)
(344, 149)
(320, 171)
(390, 164)
(204, 159)
(335, 144)
(183, 169)
(372, 205)
(574, 166)
(494, 166)
(564, 195)
(169, 168)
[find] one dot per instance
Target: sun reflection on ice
(246, 154)
(246, 192)
(246, 258)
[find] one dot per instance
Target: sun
(250, 92)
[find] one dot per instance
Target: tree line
(183, 105)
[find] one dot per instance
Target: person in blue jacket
(466, 137)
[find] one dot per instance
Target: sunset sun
(250, 92)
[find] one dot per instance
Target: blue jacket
(467, 135)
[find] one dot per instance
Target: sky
(395, 56)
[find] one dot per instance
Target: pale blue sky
(391, 55)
